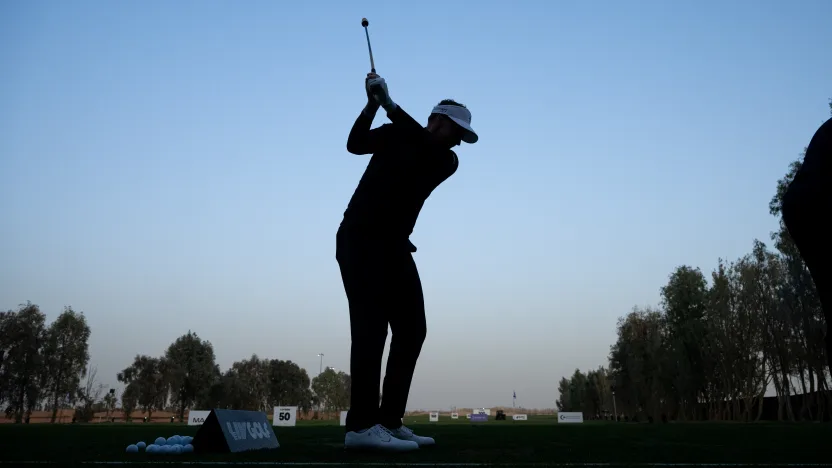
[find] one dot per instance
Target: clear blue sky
(181, 165)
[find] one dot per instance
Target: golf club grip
(376, 90)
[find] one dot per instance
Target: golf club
(366, 23)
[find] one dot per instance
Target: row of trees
(40, 366)
(46, 368)
(187, 376)
(713, 349)
(590, 393)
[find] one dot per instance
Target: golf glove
(378, 88)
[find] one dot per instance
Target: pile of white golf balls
(173, 445)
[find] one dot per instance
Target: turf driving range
(539, 442)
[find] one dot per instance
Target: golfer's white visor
(462, 117)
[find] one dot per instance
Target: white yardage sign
(574, 417)
(520, 417)
(454, 415)
(197, 417)
(285, 416)
(434, 417)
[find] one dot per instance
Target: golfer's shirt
(402, 173)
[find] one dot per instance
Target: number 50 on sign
(285, 416)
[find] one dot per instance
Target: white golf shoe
(378, 438)
(405, 433)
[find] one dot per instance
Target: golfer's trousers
(383, 288)
(807, 214)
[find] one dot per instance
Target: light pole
(320, 369)
(615, 411)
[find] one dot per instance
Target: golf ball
(141, 446)
(177, 449)
(160, 441)
(132, 449)
(151, 448)
(188, 449)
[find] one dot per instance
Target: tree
(640, 363)
(23, 363)
(190, 370)
(148, 376)
(598, 392)
(332, 389)
(768, 277)
(684, 303)
(589, 393)
(578, 391)
(67, 355)
(246, 384)
(563, 402)
(89, 395)
(214, 397)
(343, 402)
(289, 385)
(129, 401)
(109, 401)
(6, 325)
(735, 342)
(234, 391)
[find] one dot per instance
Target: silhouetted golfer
(375, 257)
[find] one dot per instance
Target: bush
(84, 414)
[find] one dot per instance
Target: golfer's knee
(369, 336)
(415, 334)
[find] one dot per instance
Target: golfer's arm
(363, 140)
(407, 123)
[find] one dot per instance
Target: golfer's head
(450, 124)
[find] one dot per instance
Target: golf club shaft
(376, 89)
(370, 48)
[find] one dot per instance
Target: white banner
(434, 417)
(575, 417)
(197, 417)
(454, 415)
(486, 411)
(520, 417)
(286, 416)
(343, 418)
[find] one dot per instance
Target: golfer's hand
(377, 88)
(372, 104)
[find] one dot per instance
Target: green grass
(539, 440)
